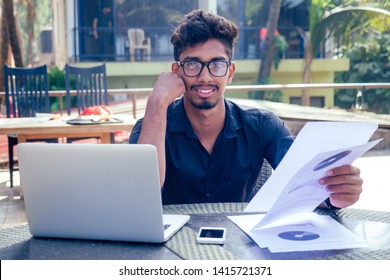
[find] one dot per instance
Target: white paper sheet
(303, 193)
(293, 191)
(300, 232)
(314, 138)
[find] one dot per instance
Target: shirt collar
(179, 122)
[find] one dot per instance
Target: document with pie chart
(293, 191)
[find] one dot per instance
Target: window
(157, 18)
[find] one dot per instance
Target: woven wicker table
(17, 243)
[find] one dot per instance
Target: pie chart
(298, 235)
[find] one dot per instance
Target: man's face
(205, 91)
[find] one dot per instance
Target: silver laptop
(94, 191)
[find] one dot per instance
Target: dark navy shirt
(230, 172)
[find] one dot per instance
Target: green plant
(369, 63)
(56, 80)
(281, 47)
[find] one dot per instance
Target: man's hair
(199, 26)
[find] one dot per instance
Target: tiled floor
(12, 209)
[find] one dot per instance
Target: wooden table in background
(41, 128)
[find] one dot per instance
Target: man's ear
(175, 68)
(231, 71)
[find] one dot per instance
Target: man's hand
(345, 185)
(167, 88)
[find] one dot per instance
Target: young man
(210, 149)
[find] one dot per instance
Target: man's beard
(204, 105)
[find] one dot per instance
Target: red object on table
(100, 110)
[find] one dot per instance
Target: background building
(74, 41)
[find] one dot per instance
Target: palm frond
(339, 22)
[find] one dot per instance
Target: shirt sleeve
(278, 139)
(135, 132)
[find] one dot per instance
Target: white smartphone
(211, 235)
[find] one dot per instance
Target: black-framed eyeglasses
(194, 68)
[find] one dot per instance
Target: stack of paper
(293, 191)
(300, 232)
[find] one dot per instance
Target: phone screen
(211, 233)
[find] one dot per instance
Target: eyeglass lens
(216, 68)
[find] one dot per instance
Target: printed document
(293, 191)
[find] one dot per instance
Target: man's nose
(205, 75)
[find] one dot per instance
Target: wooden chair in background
(90, 84)
(26, 93)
